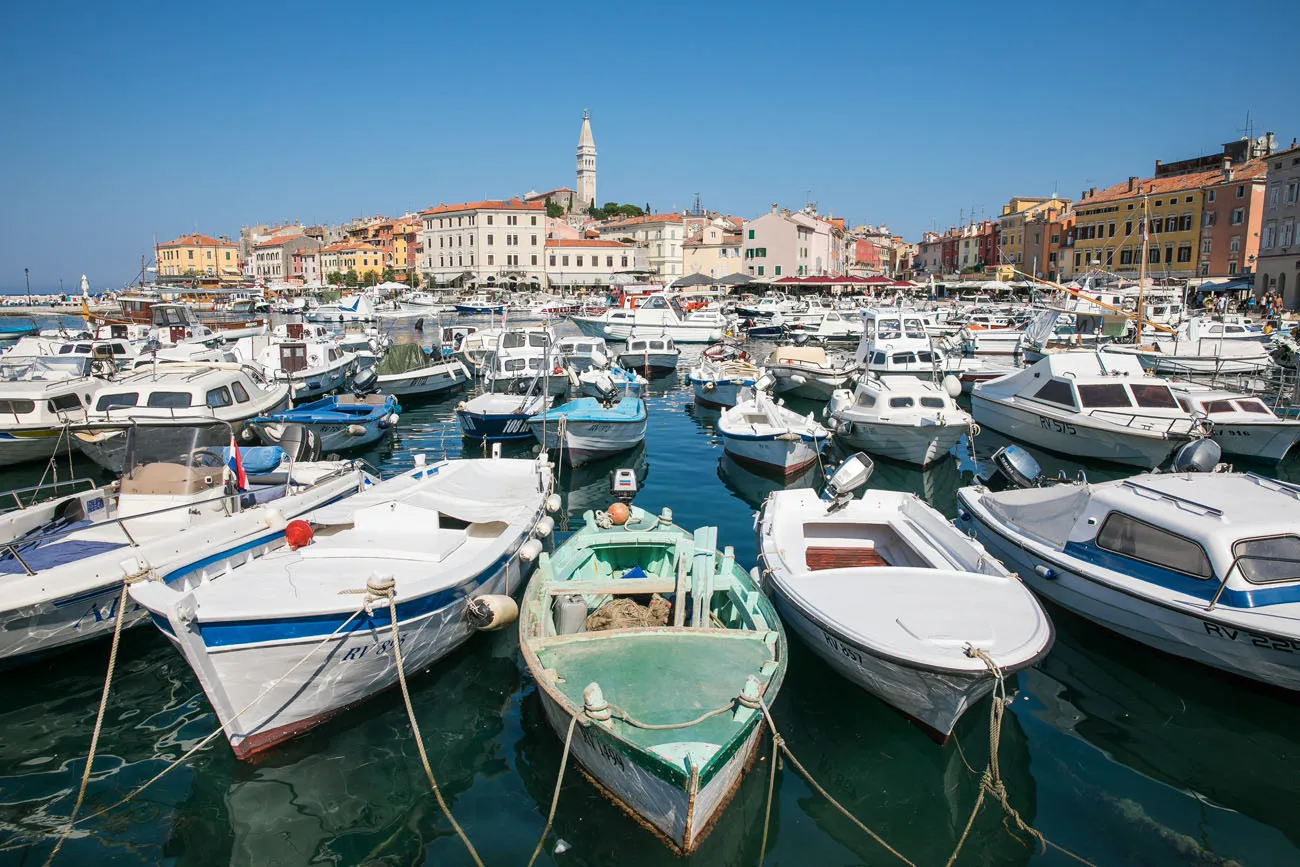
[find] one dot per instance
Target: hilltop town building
(196, 255)
(488, 243)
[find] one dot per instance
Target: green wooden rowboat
(666, 695)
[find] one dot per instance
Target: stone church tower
(586, 165)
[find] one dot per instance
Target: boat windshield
(41, 368)
(187, 445)
(914, 328)
(677, 307)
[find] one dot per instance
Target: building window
(1205, 269)
(491, 260)
(1128, 229)
(1208, 218)
(533, 240)
(489, 240)
(1185, 253)
(1211, 197)
(1270, 235)
(564, 260)
(1238, 215)
(534, 259)
(579, 261)
(751, 234)
(1274, 195)
(1126, 257)
(760, 270)
(624, 262)
(1169, 254)
(1205, 247)
(534, 221)
(552, 260)
(1185, 223)
(1241, 191)
(609, 261)
(1287, 229)
(1171, 224)
(489, 216)
(777, 270)
(1232, 269)
(1234, 245)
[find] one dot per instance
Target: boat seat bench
(819, 558)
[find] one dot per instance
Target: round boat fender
(356, 430)
(709, 386)
(530, 550)
(543, 527)
(798, 379)
(491, 612)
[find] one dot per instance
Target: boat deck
(822, 557)
(667, 676)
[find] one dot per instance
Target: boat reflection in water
(586, 487)
(353, 791)
(753, 488)
(1217, 738)
(886, 772)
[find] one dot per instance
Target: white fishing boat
(808, 371)
(177, 510)
(40, 395)
(1202, 565)
(896, 342)
(427, 302)
(311, 365)
(895, 598)
(500, 417)
(357, 308)
(1243, 425)
(406, 371)
(650, 356)
(293, 636)
(1200, 346)
(183, 392)
(762, 433)
(585, 429)
(657, 315)
(1088, 404)
(584, 353)
(899, 417)
(720, 381)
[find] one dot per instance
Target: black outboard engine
(366, 381)
(1014, 468)
(1198, 456)
(300, 443)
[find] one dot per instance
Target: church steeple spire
(586, 186)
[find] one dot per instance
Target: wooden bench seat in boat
(820, 558)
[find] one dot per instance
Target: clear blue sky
(901, 114)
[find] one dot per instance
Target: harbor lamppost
(27, 275)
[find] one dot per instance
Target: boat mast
(1142, 273)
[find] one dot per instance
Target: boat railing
(12, 547)
(36, 490)
(1174, 498)
(1236, 561)
(1147, 422)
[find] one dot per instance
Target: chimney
(1132, 183)
(774, 205)
(1272, 143)
(1227, 167)
(1092, 191)
(1157, 172)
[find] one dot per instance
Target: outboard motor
(1014, 468)
(1198, 456)
(300, 443)
(622, 484)
(366, 381)
(850, 475)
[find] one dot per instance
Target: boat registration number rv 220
(1059, 426)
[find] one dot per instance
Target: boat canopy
(402, 358)
(1045, 514)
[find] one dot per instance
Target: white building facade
(573, 262)
(488, 243)
(661, 237)
(714, 252)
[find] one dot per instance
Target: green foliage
(553, 210)
(388, 275)
(371, 278)
(614, 209)
(334, 278)
(350, 278)
(414, 281)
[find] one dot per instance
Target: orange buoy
(618, 513)
(298, 534)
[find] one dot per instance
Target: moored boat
(762, 433)
(585, 429)
(341, 421)
(665, 698)
(298, 634)
(895, 598)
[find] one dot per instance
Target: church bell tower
(586, 187)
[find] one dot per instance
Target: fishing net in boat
(624, 613)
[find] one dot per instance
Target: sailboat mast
(1142, 273)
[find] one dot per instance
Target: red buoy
(298, 534)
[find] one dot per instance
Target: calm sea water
(1113, 751)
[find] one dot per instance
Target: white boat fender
(543, 527)
(798, 379)
(491, 612)
(1044, 572)
(530, 550)
(553, 503)
(356, 430)
(708, 386)
(275, 519)
(952, 385)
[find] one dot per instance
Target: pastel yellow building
(1012, 246)
(1109, 226)
(196, 255)
(344, 257)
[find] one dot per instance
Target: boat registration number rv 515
(1059, 426)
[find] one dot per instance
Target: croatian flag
(236, 465)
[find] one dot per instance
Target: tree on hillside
(334, 278)
(350, 278)
(553, 210)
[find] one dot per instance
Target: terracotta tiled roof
(277, 240)
(1174, 184)
(641, 221)
(584, 242)
(488, 205)
(194, 239)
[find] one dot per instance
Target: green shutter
(760, 270)
(778, 270)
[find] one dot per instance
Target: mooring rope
(555, 799)
(198, 746)
(377, 588)
(103, 706)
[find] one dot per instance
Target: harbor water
(1114, 752)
